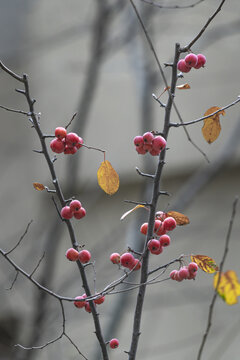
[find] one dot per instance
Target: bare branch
(150, 2)
(13, 282)
(13, 110)
(10, 72)
(21, 238)
(144, 174)
(73, 117)
(38, 264)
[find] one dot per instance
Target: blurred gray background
(91, 57)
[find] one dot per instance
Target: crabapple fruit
(60, 132)
(173, 274)
(182, 66)
(183, 273)
(127, 260)
(137, 265)
(192, 267)
(159, 143)
(57, 145)
(70, 150)
(140, 150)
(144, 228)
(153, 245)
(201, 61)
(158, 251)
(115, 258)
(87, 307)
(72, 254)
(72, 139)
(80, 143)
(80, 304)
(160, 215)
(99, 300)
(148, 137)
(114, 343)
(80, 213)
(154, 152)
(159, 228)
(84, 256)
(66, 213)
(164, 240)
(169, 223)
(138, 141)
(75, 205)
(191, 60)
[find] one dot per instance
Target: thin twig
(13, 110)
(210, 313)
(73, 117)
(144, 174)
(150, 2)
(21, 238)
(13, 282)
(38, 264)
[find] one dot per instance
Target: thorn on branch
(168, 64)
(38, 151)
(20, 91)
(157, 99)
(138, 203)
(164, 193)
(144, 174)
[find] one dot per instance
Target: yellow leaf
(212, 128)
(108, 178)
(181, 219)
(229, 286)
(130, 211)
(205, 263)
(183, 87)
(38, 186)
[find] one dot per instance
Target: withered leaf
(212, 127)
(180, 218)
(38, 186)
(205, 263)
(229, 286)
(108, 178)
(183, 87)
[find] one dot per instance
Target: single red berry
(80, 143)
(87, 307)
(153, 245)
(173, 274)
(148, 137)
(154, 152)
(60, 132)
(72, 139)
(201, 61)
(72, 254)
(99, 300)
(182, 66)
(160, 215)
(138, 141)
(80, 304)
(158, 251)
(183, 273)
(70, 150)
(164, 240)
(192, 267)
(144, 228)
(169, 223)
(147, 147)
(140, 150)
(192, 275)
(177, 277)
(159, 143)
(191, 60)
(80, 213)
(136, 266)
(127, 260)
(57, 146)
(75, 205)
(66, 213)
(84, 256)
(115, 258)
(114, 343)
(159, 228)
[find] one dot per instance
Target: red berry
(114, 343)
(159, 143)
(192, 275)
(154, 152)
(57, 146)
(80, 213)
(153, 245)
(140, 150)
(173, 274)
(157, 252)
(164, 240)
(136, 266)
(159, 228)
(80, 142)
(127, 260)
(115, 258)
(177, 277)
(147, 147)
(99, 300)
(72, 254)
(66, 213)
(148, 137)
(144, 228)
(87, 307)
(84, 256)
(192, 267)
(191, 60)
(160, 215)
(80, 304)
(201, 61)
(182, 66)
(72, 139)
(75, 205)
(169, 223)
(138, 141)
(70, 150)
(60, 132)
(183, 273)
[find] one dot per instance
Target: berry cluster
(74, 209)
(191, 61)
(65, 143)
(161, 227)
(85, 304)
(149, 143)
(185, 272)
(126, 260)
(83, 256)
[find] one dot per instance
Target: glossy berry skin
(138, 141)
(80, 304)
(84, 256)
(144, 228)
(159, 143)
(154, 152)
(160, 215)
(159, 228)
(148, 137)
(72, 254)
(75, 205)
(57, 146)
(80, 143)
(183, 273)
(169, 223)
(158, 251)
(192, 267)
(201, 61)
(114, 343)
(72, 139)
(127, 260)
(137, 265)
(153, 245)
(115, 258)
(164, 240)
(80, 213)
(66, 213)
(140, 150)
(70, 150)
(87, 307)
(173, 274)
(60, 132)
(182, 66)
(99, 300)
(191, 60)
